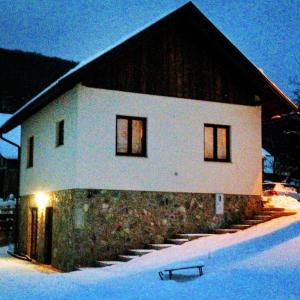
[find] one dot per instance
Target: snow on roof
(89, 60)
(265, 153)
(275, 87)
(6, 150)
(85, 63)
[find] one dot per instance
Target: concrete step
(178, 241)
(141, 252)
(290, 212)
(272, 209)
(123, 257)
(226, 230)
(107, 263)
(285, 213)
(240, 226)
(262, 217)
(193, 236)
(253, 222)
(160, 246)
(267, 212)
(268, 205)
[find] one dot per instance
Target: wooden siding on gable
(175, 60)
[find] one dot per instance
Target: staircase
(178, 240)
(266, 214)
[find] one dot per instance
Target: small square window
(131, 136)
(60, 133)
(216, 143)
(30, 150)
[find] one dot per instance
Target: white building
(150, 129)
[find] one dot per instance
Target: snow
(268, 161)
(6, 150)
(284, 202)
(7, 203)
(262, 262)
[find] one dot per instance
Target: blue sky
(266, 31)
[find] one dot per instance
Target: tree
(281, 137)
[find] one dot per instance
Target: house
(9, 161)
(139, 142)
(7, 217)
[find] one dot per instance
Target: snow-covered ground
(284, 202)
(262, 262)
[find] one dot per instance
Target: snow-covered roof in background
(7, 150)
(265, 153)
(268, 161)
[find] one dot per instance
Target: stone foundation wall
(89, 225)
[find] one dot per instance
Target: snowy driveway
(262, 262)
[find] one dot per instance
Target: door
(48, 234)
(34, 230)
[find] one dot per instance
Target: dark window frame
(60, 133)
(215, 143)
(30, 151)
(129, 137)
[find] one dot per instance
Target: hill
(261, 262)
(25, 74)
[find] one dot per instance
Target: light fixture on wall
(41, 200)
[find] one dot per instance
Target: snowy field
(262, 262)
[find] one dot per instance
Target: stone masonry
(89, 225)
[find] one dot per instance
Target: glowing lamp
(41, 199)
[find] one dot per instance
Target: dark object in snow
(170, 271)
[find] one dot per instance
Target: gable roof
(190, 11)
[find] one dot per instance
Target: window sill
(132, 155)
(217, 160)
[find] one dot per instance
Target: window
(216, 143)
(30, 148)
(60, 133)
(131, 136)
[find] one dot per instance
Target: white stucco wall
(174, 145)
(54, 168)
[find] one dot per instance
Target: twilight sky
(266, 31)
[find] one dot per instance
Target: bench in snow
(170, 271)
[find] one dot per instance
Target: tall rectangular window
(60, 133)
(131, 136)
(216, 143)
(30, 150)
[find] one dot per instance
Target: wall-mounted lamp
(41, 200)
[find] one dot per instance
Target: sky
(266, 31)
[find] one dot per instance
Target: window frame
(58, 142)
(30, 151)
(129, 137)
(215, 143)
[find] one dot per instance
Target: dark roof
(71, 78)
